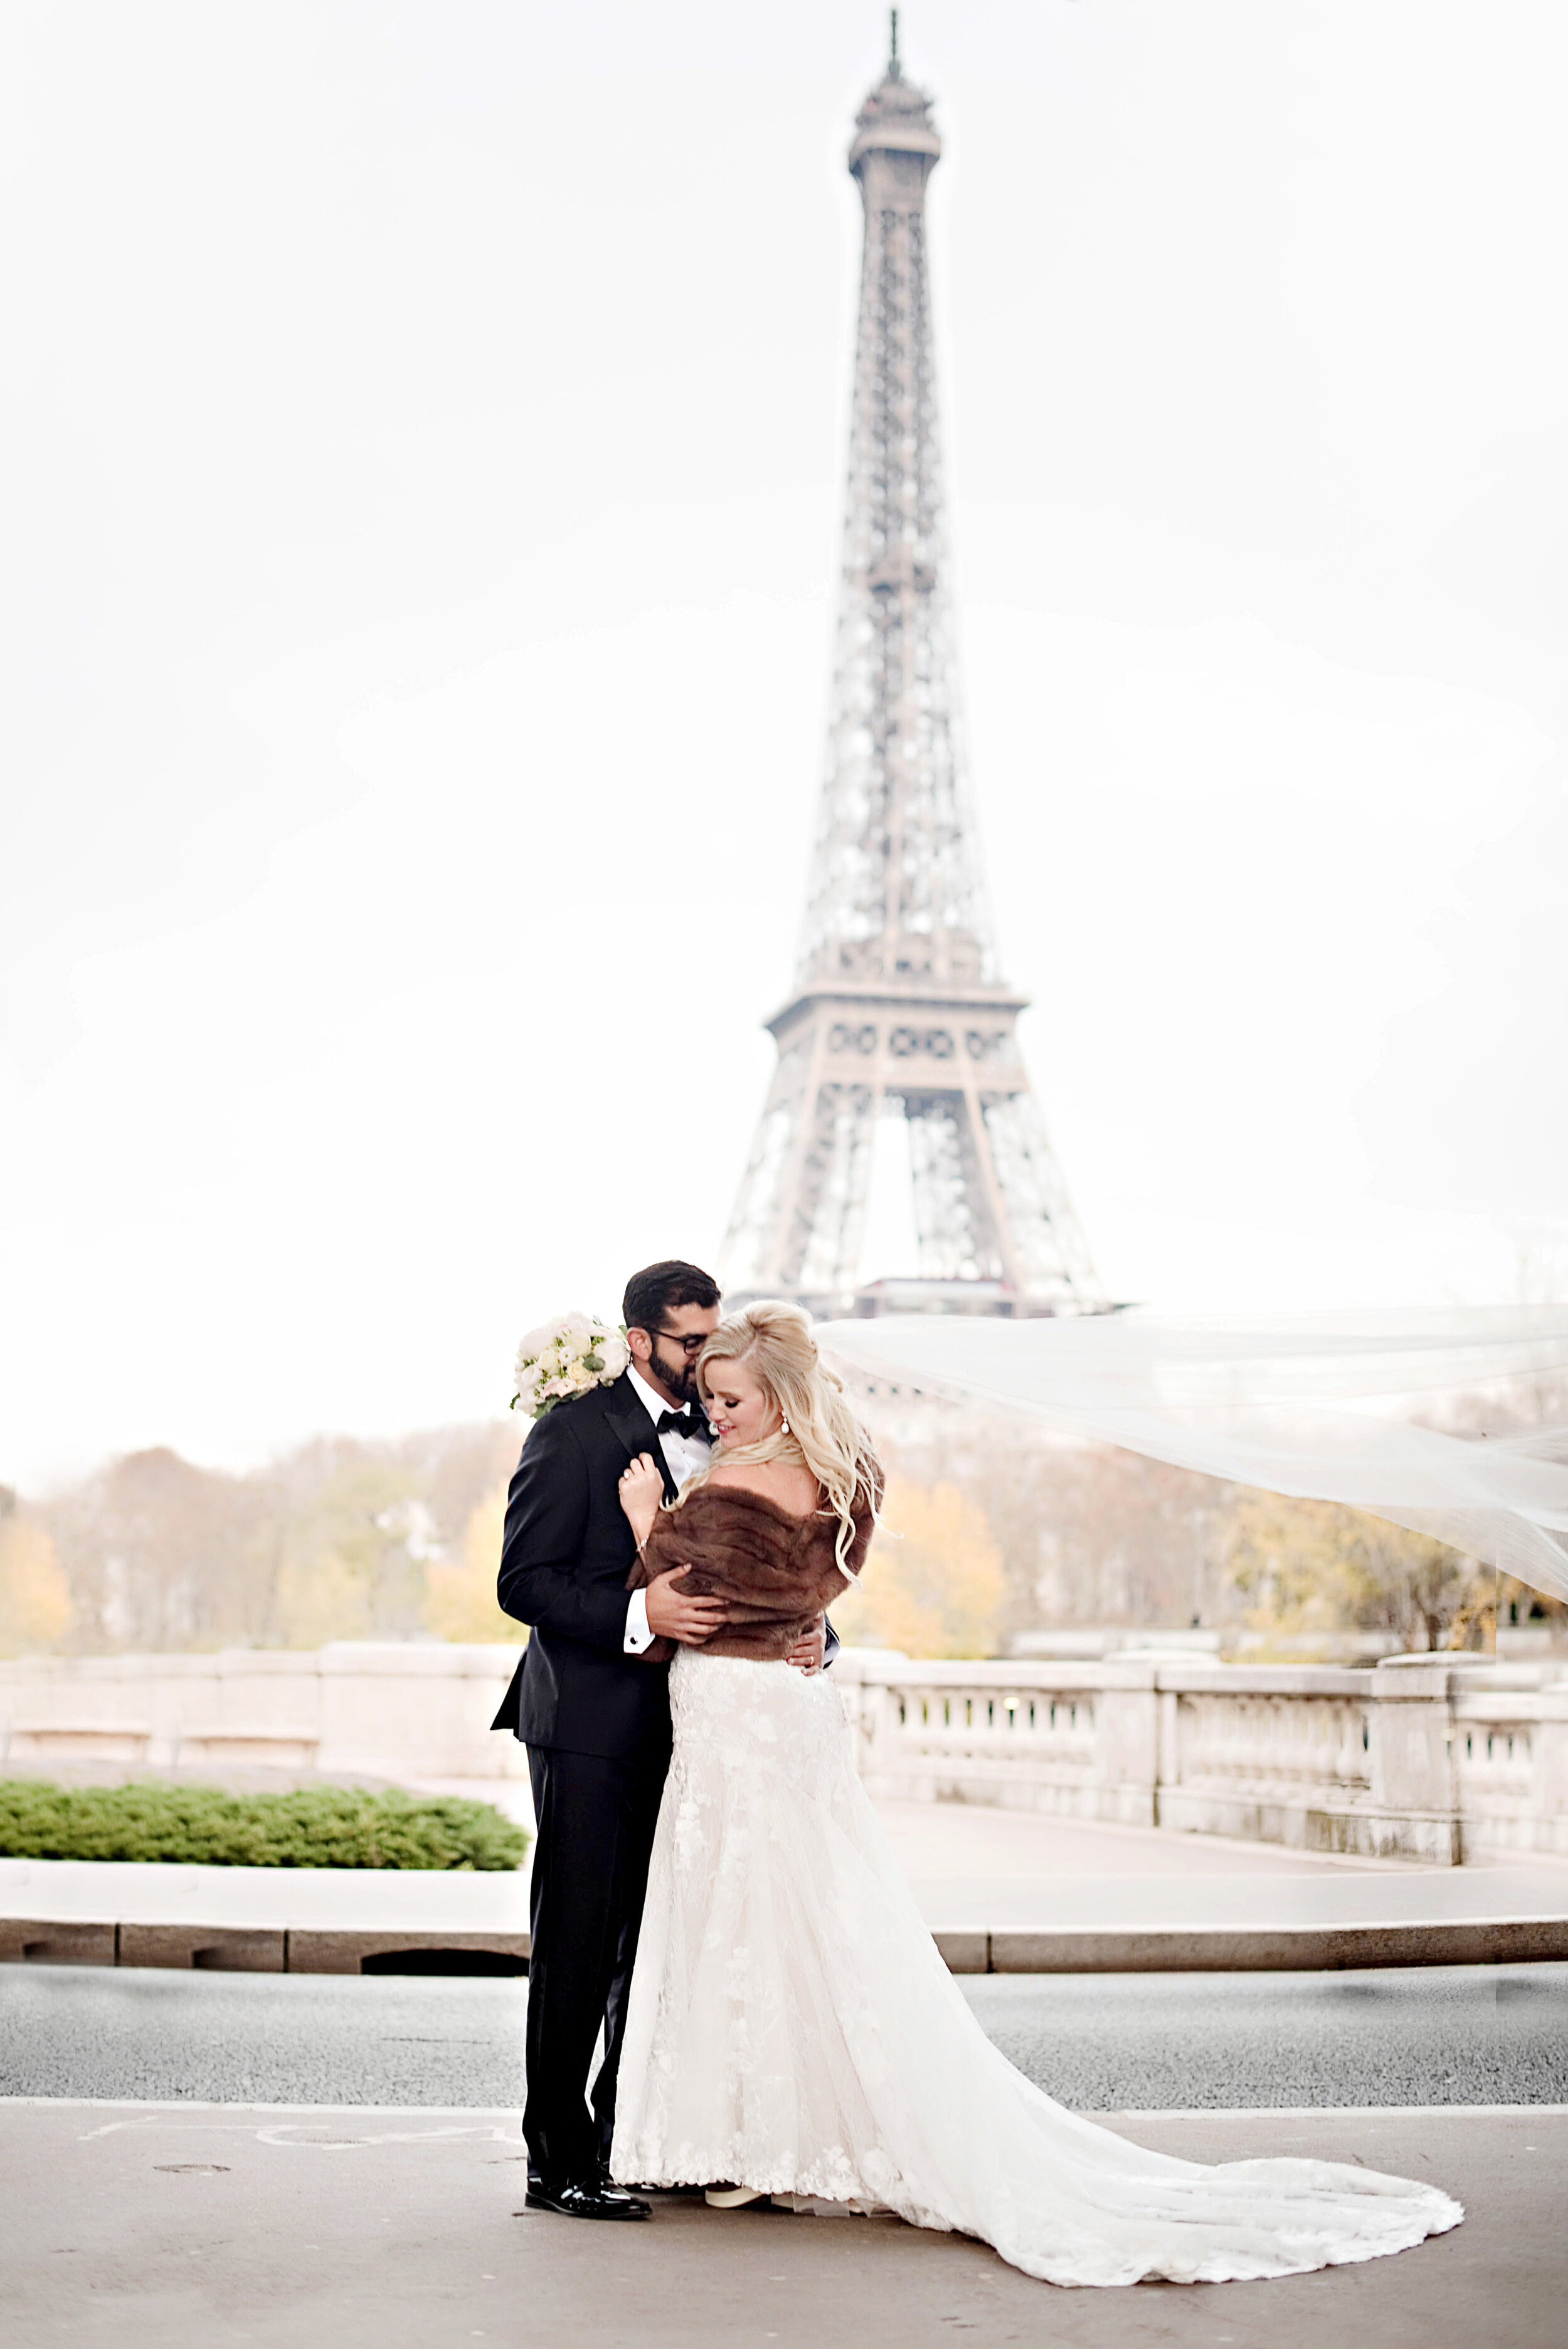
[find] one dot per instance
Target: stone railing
(1436, 1758)
(393, 1709)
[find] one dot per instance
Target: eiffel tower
(897, 1012)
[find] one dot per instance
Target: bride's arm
(674, 1612)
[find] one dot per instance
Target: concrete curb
(250, 1949)
(1276, 1949)
(1225, 1948)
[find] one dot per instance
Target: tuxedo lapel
(629, 1423)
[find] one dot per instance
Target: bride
(791, 2025)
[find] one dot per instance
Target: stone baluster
(1412, 1763)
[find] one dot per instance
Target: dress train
(792, 2028)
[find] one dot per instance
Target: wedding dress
(793, 2029)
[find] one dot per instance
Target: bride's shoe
(817, 2205)
(732, 2198)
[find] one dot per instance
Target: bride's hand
(642, 1490)
(807, 1655)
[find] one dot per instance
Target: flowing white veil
(1322, 1406)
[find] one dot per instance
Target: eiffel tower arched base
(993, 1230)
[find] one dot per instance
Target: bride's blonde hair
(774, 1341)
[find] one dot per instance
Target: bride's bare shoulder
(779, 1480)
(743, 1476)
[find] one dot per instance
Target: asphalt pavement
(1103, 2043)
(136, 2226)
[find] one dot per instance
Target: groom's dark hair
(659, 1289)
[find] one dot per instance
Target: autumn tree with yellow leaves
(460, 1593)
(34, 1596)
(932, 1584)
(1305, 1567)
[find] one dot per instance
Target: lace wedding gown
(792, 2028)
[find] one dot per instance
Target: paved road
(132, 2227)
(1456, 2035)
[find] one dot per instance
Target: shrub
(320, 1826)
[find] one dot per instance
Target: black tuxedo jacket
(563, 1565)
(565, 1561)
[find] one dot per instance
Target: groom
(595, 1719)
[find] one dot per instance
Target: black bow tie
(689, 1421)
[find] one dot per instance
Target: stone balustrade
(1439, 1758)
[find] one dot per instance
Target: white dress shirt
(684, 1455)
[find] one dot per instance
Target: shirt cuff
(638, 1635)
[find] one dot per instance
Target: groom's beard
(678, 1378)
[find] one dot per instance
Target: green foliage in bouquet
(321, 1826)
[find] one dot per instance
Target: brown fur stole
(776, 1574)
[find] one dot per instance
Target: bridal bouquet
(566, 1357)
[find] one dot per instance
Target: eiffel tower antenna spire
(897, 1012)
(892, 42)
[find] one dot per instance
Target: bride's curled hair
(774, 1341)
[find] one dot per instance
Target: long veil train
(1327, 1406)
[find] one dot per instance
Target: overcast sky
(423, 428)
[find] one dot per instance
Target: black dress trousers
(595, 1818)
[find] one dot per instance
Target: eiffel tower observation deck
(899, 1033)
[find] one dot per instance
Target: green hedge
(322, 1826)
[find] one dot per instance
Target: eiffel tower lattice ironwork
(896, 1008)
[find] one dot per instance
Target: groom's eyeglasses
(690, 1347)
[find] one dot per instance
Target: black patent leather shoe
(591, 2198)
(606, 2185)
(600, 2178)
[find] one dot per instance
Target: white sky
(423, 428)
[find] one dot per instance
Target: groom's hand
(676, 1615)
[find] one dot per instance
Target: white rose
(557, 1358)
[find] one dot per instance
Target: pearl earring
(783, 1424)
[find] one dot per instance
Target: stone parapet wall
(384, 1709)
(1435, 1758)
